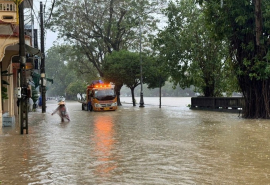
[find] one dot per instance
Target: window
(7, 17)
(7, 7)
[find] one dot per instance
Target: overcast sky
(50, 37)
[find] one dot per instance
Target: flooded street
(136, 146)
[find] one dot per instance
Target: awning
(32, 51)
(28, 49)
(36, 78)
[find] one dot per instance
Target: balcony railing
(8, 11)
(8, 6)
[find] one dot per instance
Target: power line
(37, 16)
(31, 5)
(50, 13)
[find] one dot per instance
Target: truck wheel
(82, 107)
(85, 107)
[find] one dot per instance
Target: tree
(157, 74)
(124, 67)
(241, 24)
(192, 55)
(80, 64)
(74, 88)
(100, 27)
(57, 69)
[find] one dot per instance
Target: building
(9, 55)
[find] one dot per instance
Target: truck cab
(101, 97)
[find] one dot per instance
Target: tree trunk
(133, 97)
(258, 21)
(256, 94)
(117, 89)
(209, 90)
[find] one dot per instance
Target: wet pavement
(144, 146)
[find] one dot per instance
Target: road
(136, 146)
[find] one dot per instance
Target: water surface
(150, 145)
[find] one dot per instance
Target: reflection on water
(150, 145)
(103, 145)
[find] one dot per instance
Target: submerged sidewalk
(36, 116)
(33, 118)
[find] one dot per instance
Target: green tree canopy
(79, 63)
(100, 27)
(246, 26)
(191, 53)
(125, 67)
(76, 87)
(57, 61)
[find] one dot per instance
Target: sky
(50, 37)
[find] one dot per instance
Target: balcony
(8, 12)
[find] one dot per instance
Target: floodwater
(136, 146)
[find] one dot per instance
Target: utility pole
(42, 66)
(22, 90)
(141, 94)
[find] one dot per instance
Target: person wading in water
(62, 111)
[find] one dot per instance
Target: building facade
(9, 55)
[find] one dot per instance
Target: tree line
(214, 46)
